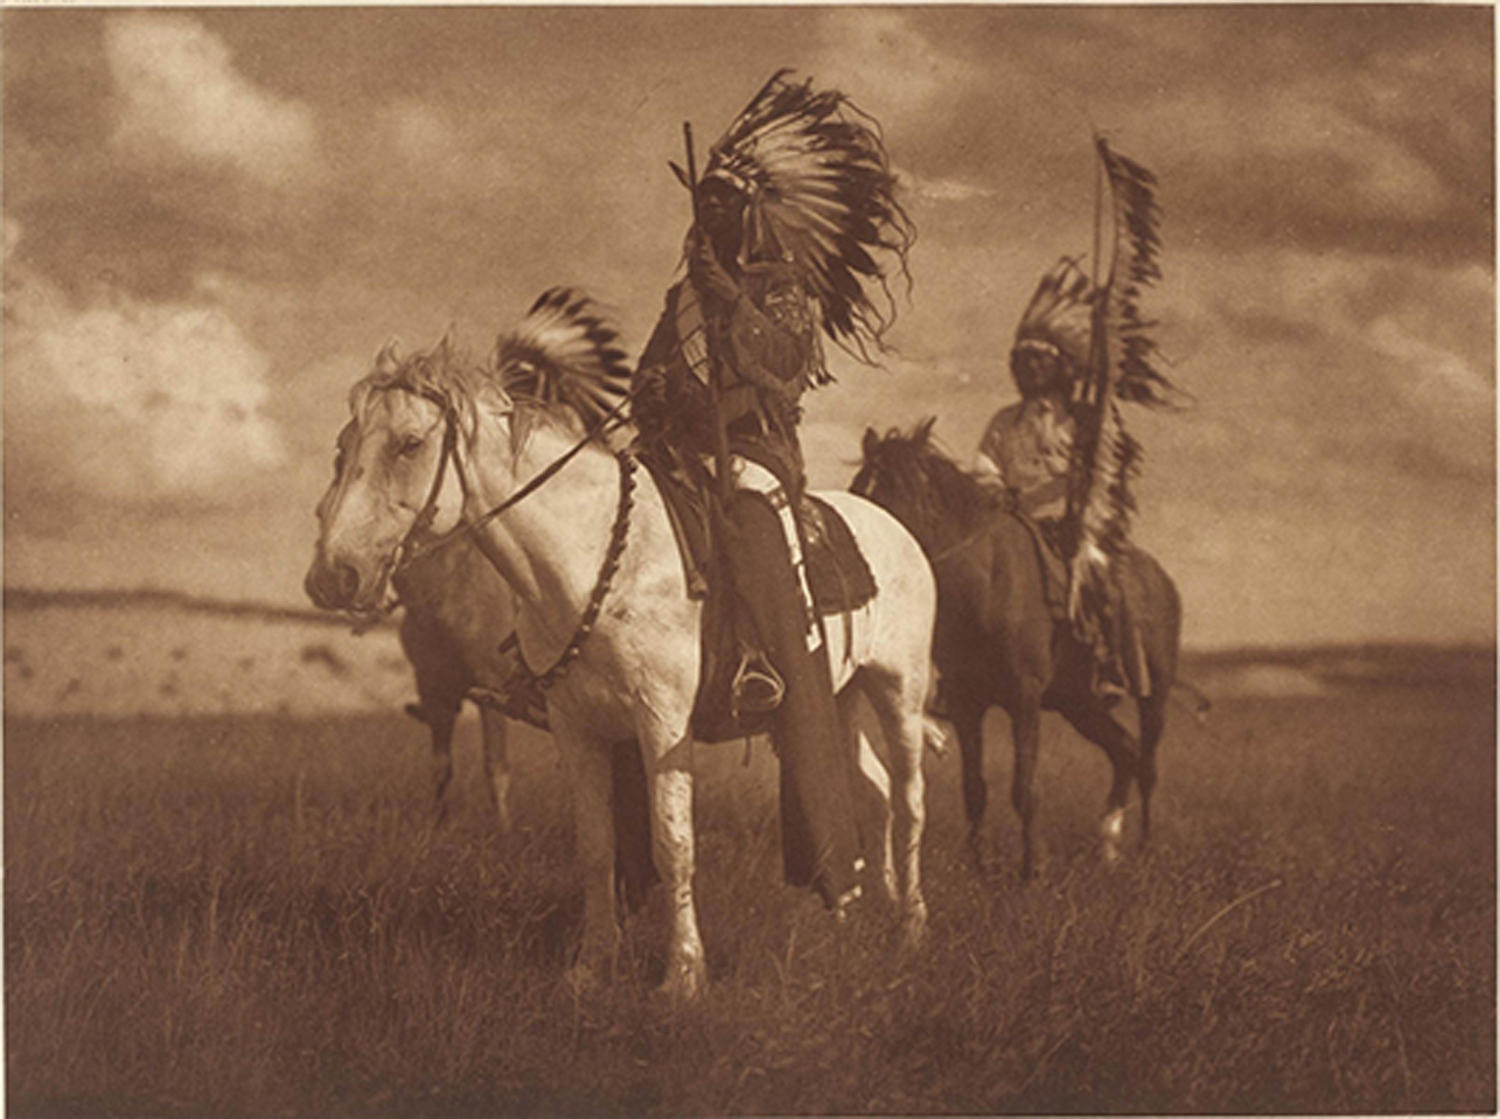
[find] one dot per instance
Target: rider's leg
(820, 838)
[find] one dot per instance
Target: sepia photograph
(785, 560)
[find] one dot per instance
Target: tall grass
(254, 917)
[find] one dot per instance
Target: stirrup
(1110, 686)
(757, 689)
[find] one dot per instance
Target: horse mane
(561, 369)
(444, 372)
(940, 491)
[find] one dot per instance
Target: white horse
(585, 542)
(453, 603)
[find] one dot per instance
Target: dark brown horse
(998, 643)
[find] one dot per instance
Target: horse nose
(332, 586)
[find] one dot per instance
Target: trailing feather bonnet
(819, 193)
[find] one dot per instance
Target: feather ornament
(1122, 369)
(1129, 351)
(1061, 313)
(820, 192)
(565, 351)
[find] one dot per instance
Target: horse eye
(409, 445)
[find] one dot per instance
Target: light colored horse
(633, 673)
(455, 610)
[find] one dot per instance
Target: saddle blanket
(839, 577)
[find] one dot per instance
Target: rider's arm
(1055, 432)
(989, 466)
(648, 385)
(764, 350)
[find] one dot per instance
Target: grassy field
(232, 915)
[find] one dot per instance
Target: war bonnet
(819, 193)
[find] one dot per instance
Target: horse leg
(873, 794)
(1153, 721)
(671, 782)
(492, 732)
(440, 718)
(1095, 724)
(589, 773)
(898, 705)
(1026, 730)
(968, 724)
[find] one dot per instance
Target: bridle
(516, 696)
(412, 547)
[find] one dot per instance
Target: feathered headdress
(819, 191)
(1121, 369)
(1060, 315)
(565, 351)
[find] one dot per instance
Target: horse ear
(387, 360)
(871, 442)
(924, 429)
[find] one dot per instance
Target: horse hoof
(685, 983)
(591, 971)
(582, 980)
(977, 857)
(913, 935)
(1111, 832)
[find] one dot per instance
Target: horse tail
(1158, 615)
(1200, 704)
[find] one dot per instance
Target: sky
(214, 219)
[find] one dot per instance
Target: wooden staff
(710, 338)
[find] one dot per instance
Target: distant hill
(124, 652)
(1343, 665)
(139, 652)
(23, 598)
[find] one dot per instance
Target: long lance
(711, 343)
(1095, 397)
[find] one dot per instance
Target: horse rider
(1026, 452)
(719, 387)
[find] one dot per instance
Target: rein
(521, 695)
(410, 549)
(958, 546)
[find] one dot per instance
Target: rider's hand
(713, 283)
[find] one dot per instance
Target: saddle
(838, 575)
(1047, 536)
(1049, 556)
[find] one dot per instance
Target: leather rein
(411, 549)
(517, 695)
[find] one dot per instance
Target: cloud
(943, 189)
(429, 155)
(1326, 370)
(132, 402)
(883, 51)
(180, 99)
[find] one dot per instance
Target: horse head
(917, 483)
(894, 474)
(392, 481)
(412, 418)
